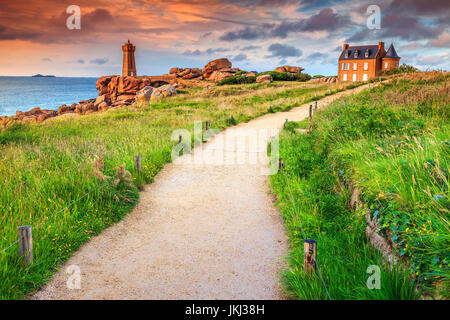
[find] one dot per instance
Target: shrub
(404, 68)
(286, 76)
(237, 79)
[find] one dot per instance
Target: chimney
(345, 46)
(381, 47)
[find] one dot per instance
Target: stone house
(361, 63)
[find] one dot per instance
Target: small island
(43, 76)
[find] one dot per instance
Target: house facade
(361, 63)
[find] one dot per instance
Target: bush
(286, 76)
(237, 79)
(404, 68)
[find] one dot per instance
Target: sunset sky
(254, 34)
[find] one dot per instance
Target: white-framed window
(354, 77)
(344, 77)
(355, 65)
(385, 65)
(365, 77)
(345, 66)
(366, 66)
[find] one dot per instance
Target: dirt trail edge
(203, 230)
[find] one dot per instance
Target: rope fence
(26, 244)
(25, 248)
(310, 246)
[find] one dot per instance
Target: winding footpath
(204, 229)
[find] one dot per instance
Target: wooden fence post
(280, 163)
(310, 112)
(180, 138)
(138, 164)
(206, 125)
(315, 106)
(25, 242)
(309, 255)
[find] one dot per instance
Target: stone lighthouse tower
(129, 65)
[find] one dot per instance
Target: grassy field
(392, 142)
(46, 169)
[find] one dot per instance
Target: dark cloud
(47, 60)
(283, 50)
(80, 61)
(240, 57)
(409, 20)
(192, 53)
(317, 55)
(422, 7)
(325, 20)
(244, 34)
(7, 33)
(250, 47)
(209, 51)
(216, 50)
(99, 61)
(277, 3)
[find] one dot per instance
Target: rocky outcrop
(217, 76)
(164, 91)
(290, 69)
(215, 65)
(86, 106)
(265, 78)
(67, 109)
(34, 115)
(175, 70)
(190, 73)
(215, 70)
(144, 94)
(324, 79)
(118, 88)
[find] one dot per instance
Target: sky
(253, 34)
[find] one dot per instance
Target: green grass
(45, 167)
(391, 142)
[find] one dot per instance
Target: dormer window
(347, 53)
(356, 54)
(367, 54)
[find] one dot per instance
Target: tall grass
(46, 167)
(392, 143)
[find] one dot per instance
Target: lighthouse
(129, 65)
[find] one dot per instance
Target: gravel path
(204, 230)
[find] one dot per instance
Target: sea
(25, 93)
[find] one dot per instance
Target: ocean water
(25, 93)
